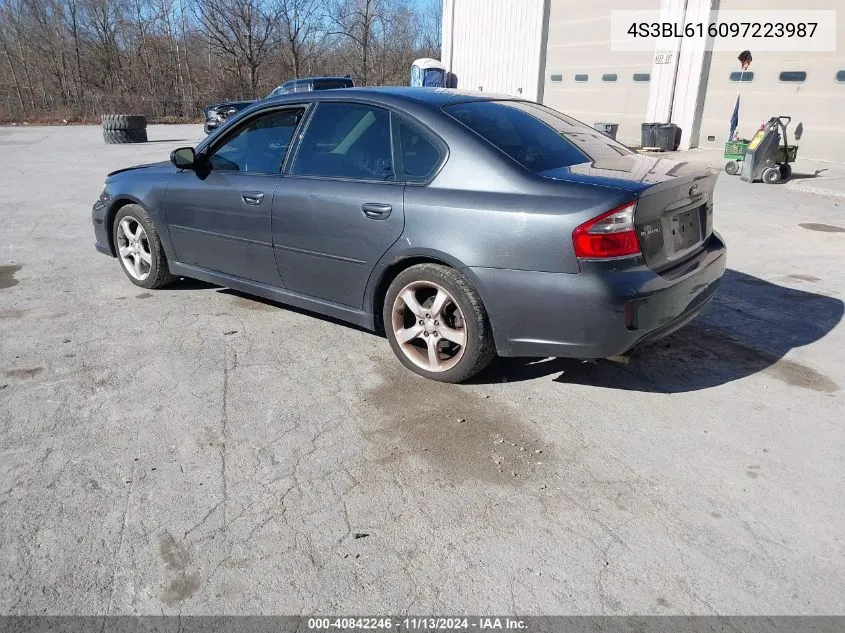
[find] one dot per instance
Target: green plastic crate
(735, 150)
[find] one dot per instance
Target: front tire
(139, 248)
(771, 175)
(436, 323)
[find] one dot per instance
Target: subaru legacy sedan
(463, 225)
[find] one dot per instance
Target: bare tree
(242, 33)
(430, 17)
(4, 38)
(301, 31)
(167, 58)
(360, 23)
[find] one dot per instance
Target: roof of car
(428, 96)
(319, 78)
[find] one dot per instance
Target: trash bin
(607, 128)
(667, 137)
(648, 134)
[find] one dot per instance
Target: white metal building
(558, 52)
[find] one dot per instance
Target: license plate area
(686, 229)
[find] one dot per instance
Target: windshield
(328, 84)
(538, 138)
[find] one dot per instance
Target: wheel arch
(116, 205)
(390, 270)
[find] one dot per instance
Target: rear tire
(136, 240)
(732, 167)
(436, 323)
(771, 175)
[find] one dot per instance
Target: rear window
(328, 84)
(538, 138)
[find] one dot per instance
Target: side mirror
(183, 158)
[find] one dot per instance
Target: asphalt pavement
(192, 450)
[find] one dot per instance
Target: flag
(734, 119)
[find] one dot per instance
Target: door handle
(376, 210)
(252, 197)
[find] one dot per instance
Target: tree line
(78, 59)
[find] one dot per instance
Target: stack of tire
(124, 128)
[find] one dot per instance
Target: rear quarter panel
(519, 230)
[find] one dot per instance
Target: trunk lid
(674, 215)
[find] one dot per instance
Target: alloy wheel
(429, 326)
(133, 245)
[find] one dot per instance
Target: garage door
(809, 87)
(584, 78)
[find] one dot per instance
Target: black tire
(771, 175)
(115, 137)
(479, 349)
(732, 167)
(124, 122)
(785, 171)
(159, 274)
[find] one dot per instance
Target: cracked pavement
(192, 450)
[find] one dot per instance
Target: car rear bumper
(602, 311)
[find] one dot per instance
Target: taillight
(612, 234)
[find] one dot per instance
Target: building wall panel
(494, 45)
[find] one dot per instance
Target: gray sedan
(461, 224)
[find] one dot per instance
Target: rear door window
(538, 138)
(346, 140)
(417, 154)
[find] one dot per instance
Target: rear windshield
(328, 84)
(538, 138)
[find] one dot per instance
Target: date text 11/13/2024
(420, 623)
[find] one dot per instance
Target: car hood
(163, 166)
(237, 104)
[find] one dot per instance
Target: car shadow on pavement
(254, 302)
(749, 327)
(186, 283)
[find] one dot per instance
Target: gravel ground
(192, 450)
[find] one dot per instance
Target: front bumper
(602, 311)
(101, 235)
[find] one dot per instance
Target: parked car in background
(219, 112)
(462, 224)
(215, 114)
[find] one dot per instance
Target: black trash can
(649, 134)
(667, 137)
(609, 129)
